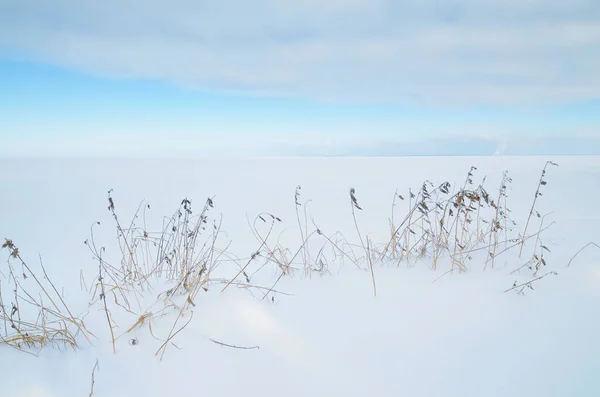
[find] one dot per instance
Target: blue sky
(354, 77)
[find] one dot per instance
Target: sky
(276, 78)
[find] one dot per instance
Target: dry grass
(185, 255)
(538, 193)
(37, 315)
(460, 226)
(590, 244)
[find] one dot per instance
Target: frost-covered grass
(378, 276)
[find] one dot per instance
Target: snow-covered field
(318, 331)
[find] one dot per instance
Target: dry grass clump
(33, 314)
(460, 225)
(440, 223)
(181, 256)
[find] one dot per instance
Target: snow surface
(461, 335)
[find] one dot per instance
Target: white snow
(461, 335)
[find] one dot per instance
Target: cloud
(419, 52)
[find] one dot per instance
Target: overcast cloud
(423, 52)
